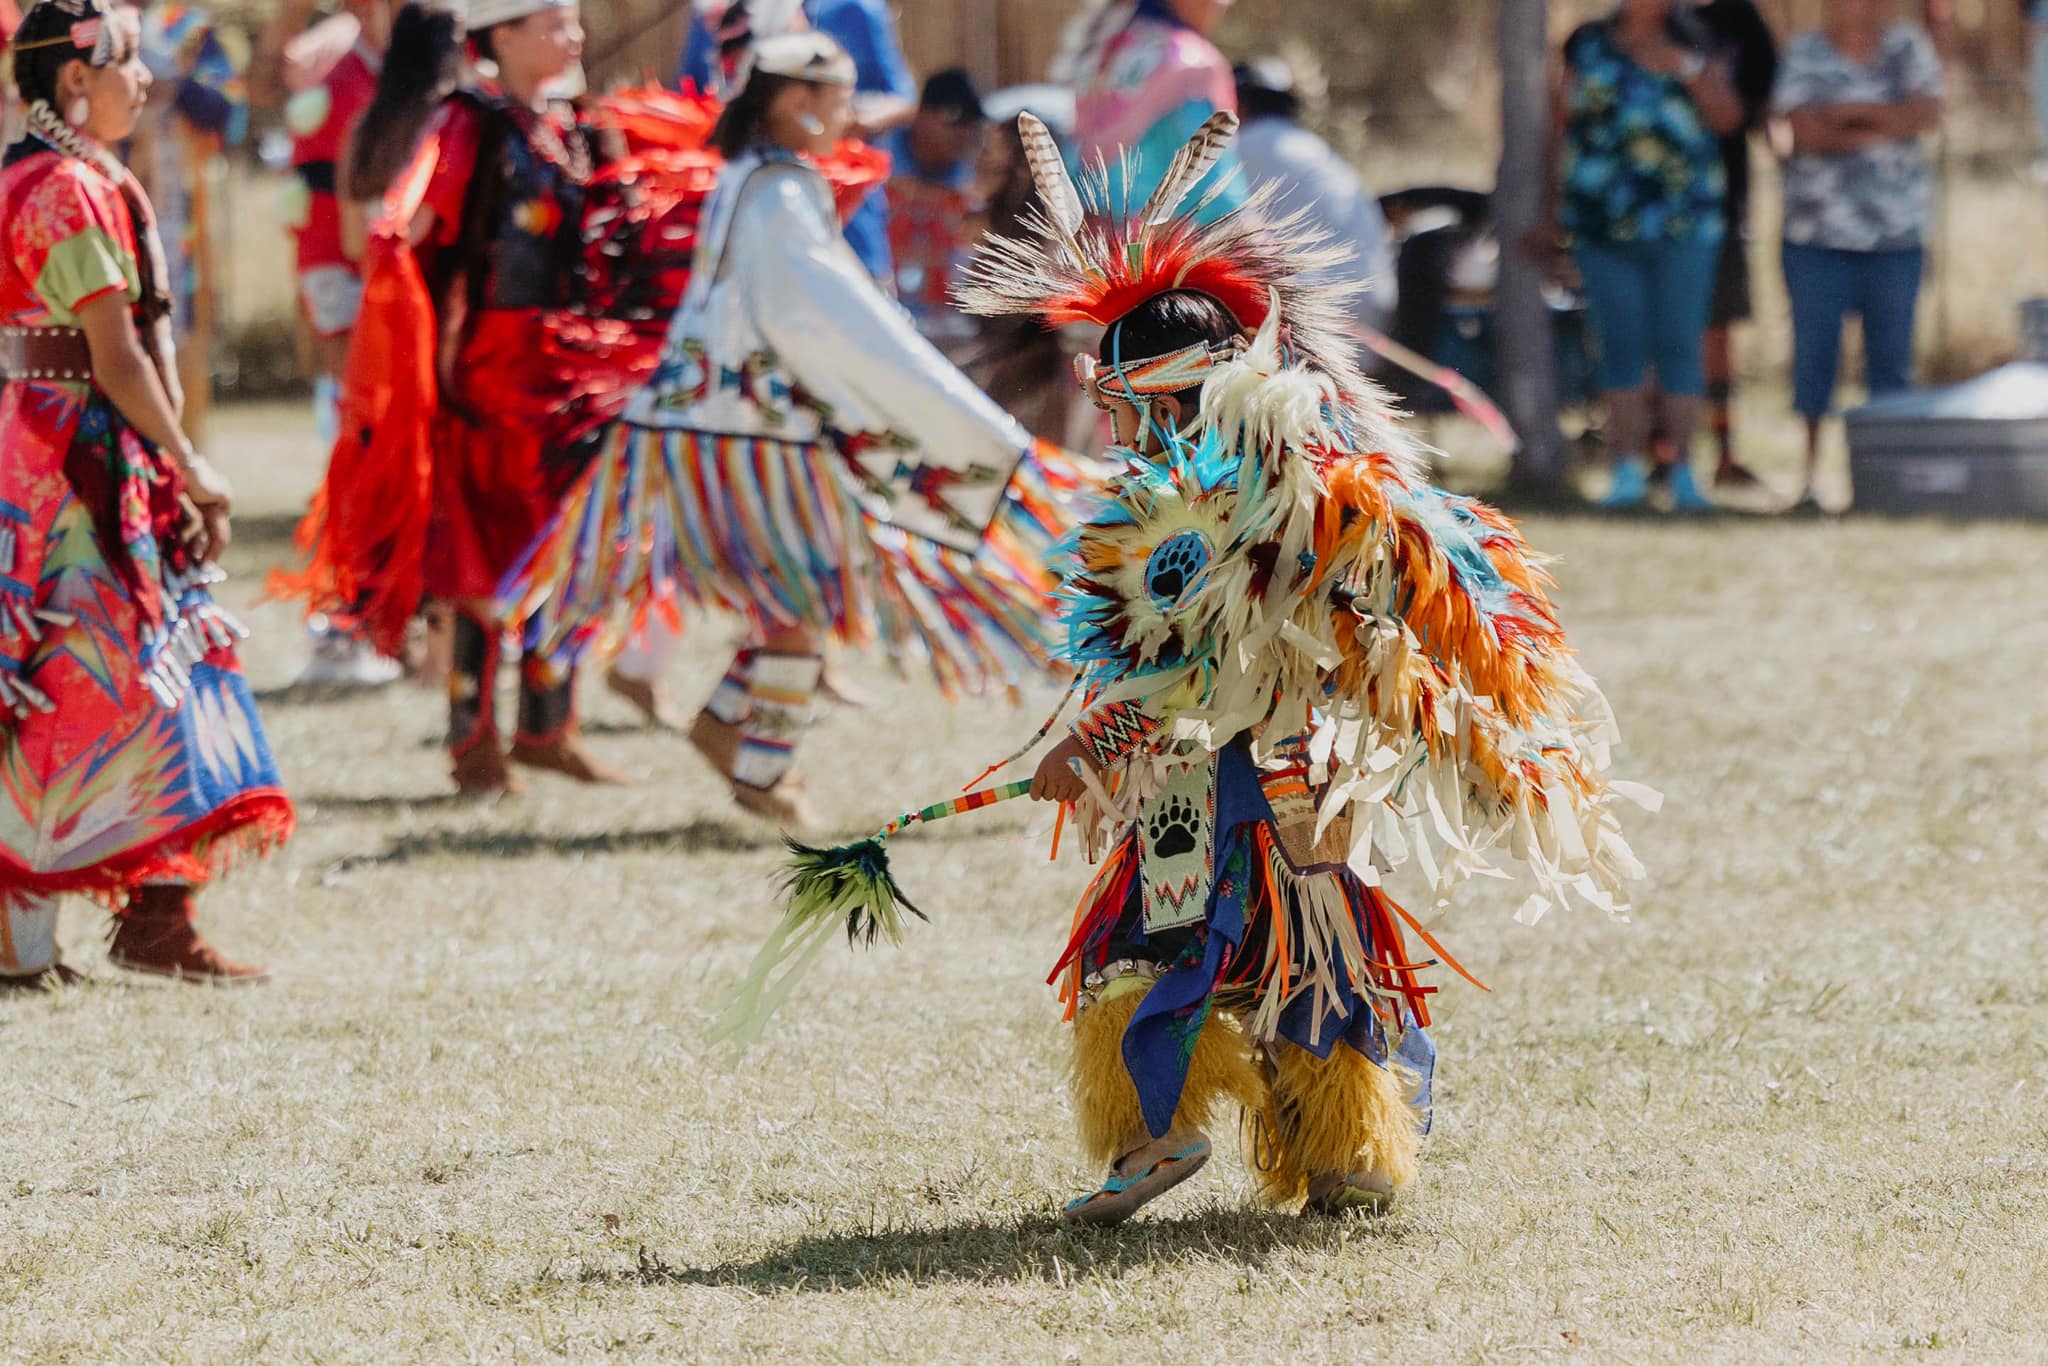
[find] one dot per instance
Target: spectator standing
(930, 182)
(1642, 107)
(885, 93)
(1859, 196)
(1146, 77)
(1275, 148)
(1744, 37)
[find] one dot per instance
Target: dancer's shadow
(387, 804)
(265, 528)
(638, 725)
(699, 836)
(1035, 1247)
(308, 695)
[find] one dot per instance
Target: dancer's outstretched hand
(1059, 774)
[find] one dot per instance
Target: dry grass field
(1796, 1110)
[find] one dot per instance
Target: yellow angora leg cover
(1106, 1100)
(1338, 1117)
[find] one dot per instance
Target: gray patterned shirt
(1878, 199)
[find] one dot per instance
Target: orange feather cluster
(1518, 659)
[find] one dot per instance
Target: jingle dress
(149, 762)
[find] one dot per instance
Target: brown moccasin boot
(787, 804)
(646, 697)
(156, 935)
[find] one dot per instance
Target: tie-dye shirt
(1878, 199)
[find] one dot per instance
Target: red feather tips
(1107, 262)
(1169, 260)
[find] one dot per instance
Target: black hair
(1683, 26)
(420, 68)
(485, 42)
(951, 92)
(739, 126)
(1166, 323)
(42, 49)
(1011, 201)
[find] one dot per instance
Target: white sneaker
(345, 661)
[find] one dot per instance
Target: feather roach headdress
(1084, 263)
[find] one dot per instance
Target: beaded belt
(58, 353)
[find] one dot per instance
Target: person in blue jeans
(1859, 195)
(885, 92)
(1643, 104)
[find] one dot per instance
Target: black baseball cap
(951, 92)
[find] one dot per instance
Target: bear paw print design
(1173, 828)
(1175, 565)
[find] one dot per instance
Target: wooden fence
(1000, 42)
(1005, 42)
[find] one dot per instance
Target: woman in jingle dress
(132, 762)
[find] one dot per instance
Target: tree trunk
(1527, 361)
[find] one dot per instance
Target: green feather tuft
(848, 884)
(849, 880)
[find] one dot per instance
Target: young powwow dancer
(328, 224)
(804, 459)
(487, 226)
(1300, 661)
(729, 30)
(132, 762)
(329, 248)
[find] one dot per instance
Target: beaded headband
(1175, 372)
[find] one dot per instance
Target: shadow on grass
(323, 694)
(1034, 1248)
(266, 529)
(389, 803)
(639, 725)
(699, 836)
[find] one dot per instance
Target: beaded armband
(1110, 732)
